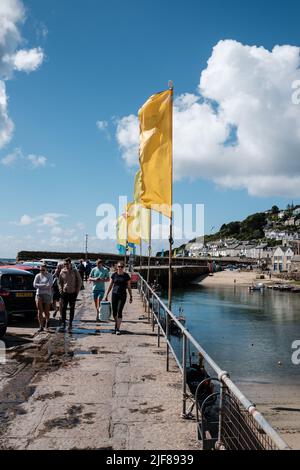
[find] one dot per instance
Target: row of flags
(153, 181)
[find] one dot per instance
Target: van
(17, 291)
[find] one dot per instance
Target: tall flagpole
(126, 241)
(171, 218)
(149, 249)
(140, 255)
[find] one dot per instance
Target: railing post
(148, 306)
(168, 339)
(221, 415)
(184, 341)
(158, 327)
(151, 310)
(152, 319)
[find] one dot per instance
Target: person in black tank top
(119, 284)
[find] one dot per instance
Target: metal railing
(240, 424)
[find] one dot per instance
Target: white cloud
(102, 125)
(48, 219)
(26, 220)
(128, 138)
(17, 156)
(11, 158)
(6, 124)
(242, 123)
(37, 161)
(12, 16)
(28, 60)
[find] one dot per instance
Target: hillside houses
(230, 248)
(280, 235)
(282, 259)
(257, 237)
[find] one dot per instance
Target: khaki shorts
(44, 298)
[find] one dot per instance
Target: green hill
(250, 228)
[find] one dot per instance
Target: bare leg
(39, 306)
(96, 301)
(97, 305)
(47, 313)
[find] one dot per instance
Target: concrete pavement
(92, 389)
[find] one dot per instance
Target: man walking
(99, 275)
(69, 286)
(88, 268)
(81, 270)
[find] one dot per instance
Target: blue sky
(101, 61)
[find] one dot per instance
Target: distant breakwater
(181, 275)
(109, 258)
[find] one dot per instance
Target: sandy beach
(232, 278)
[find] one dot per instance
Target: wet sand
(232, 278)
(280, 406)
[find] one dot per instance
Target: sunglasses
(121, 267)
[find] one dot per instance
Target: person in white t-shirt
(43, 283)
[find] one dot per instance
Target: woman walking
(119, 284)
(43, 284)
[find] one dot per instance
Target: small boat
(257, 287)
(285, 288)
(276, 286)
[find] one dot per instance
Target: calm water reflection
(246, 333)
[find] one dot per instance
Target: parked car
(51, 263)
(3, 318)
(17, 291)
(32, 269)
(32, 264)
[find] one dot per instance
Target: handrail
(223, 376)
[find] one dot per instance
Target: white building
(282, 259)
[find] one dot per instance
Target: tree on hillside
(275, 209)
(231, 229)
(253, 224)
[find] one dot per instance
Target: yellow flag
(137, 186)
(155, 118)
(143, 213)
(122, 230)
(133, 223)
